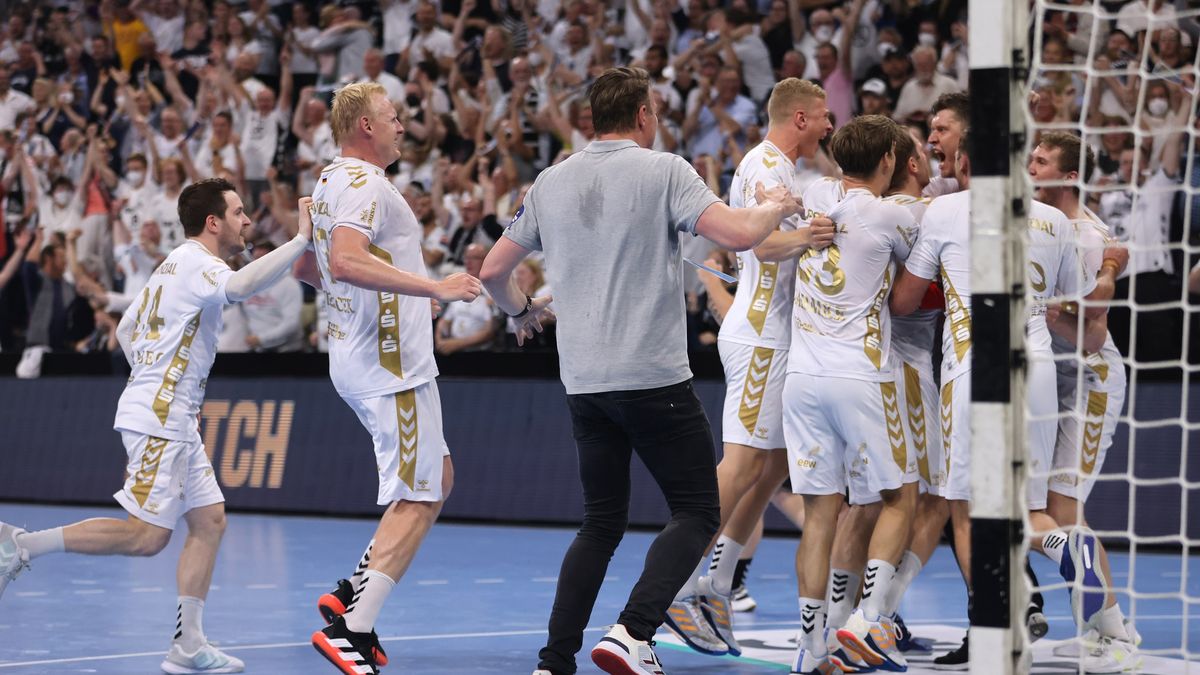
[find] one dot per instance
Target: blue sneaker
(873, 642)
(1081, 562)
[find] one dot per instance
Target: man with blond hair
(753, 344)
(368, 255)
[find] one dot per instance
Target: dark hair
(201, 200)
(956, 102)
(226, 115)
(658, 49)
(862, 142)
(1069, 147)
(616, 96)
(906, 149)
(136, 157)
(60, 182)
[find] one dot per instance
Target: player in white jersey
(1091, 382)
(842, 414)
(169, 336)
(368, 253)
(753, 343)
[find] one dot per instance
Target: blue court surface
(475, 601)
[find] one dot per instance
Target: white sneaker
(542, 672)
(1112, 656)
(1075, 647)
(719, 612)
(13, 558)
(873, 642)
(686, 620)
(207, 659)
(742, 600)
(619, 653)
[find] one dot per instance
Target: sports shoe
(1112, 656)
(349, 652)
(959, 659)
(686, 620)
(1081, 562)
(13, 558)
(1073, 648)
(872, 641)
(1036, 623)
(334, 603)
(619, 653)
(846, 661)
(807, 664)
(742, 600)
(717, 610)
(206, 659)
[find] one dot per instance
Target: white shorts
(166, 479)
(844, 433)
(956, 437)
(754, 378)
(1041, 425)
(1083, 441)
(406, 428)
(919, 393)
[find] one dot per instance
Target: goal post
(999, 204)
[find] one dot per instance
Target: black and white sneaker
(335, 603)
(1036, 623)
(959, 659)
(351, 653)
(742, 600)
(619, 653)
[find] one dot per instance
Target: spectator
(315, 147)
(919, 93)
(372, 71)
(397, 29)
(745, 50)
(272, 317)
(165, 20)
(468, 326)
(58, 316)
(299, 39)
(873, 99)
(126, 28)
(12, 101)
(429, 42)
(348, 37)
(719, 113)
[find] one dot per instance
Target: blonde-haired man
(368, 256)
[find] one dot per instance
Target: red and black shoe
(334, 604)
(351, 653)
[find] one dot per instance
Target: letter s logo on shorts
(516, 216)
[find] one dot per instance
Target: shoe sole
(176, 669)
(320, 642)
(1038, 626)
(331, 608)
(731, 642)
(683, 635)
(613, 663)
(954, 667)
(866, 653)
(848, 666)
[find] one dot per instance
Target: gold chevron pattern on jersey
(755, 387)
(895, 424)
(1096, 363)
(947, 422)
(1093, 431)
(916, 419)
(143, 480)
(179, 364)
(764, 289)
(406, 422)
(873, 336)
(958, 317)
(389, 323)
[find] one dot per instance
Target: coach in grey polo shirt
(609, 221)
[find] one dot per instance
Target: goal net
(1098, 104)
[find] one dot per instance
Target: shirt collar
(610, 146)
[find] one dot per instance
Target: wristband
(528, 306)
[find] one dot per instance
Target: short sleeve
(358, 207)
(1075, 280)
(925, 256)
(904, 234)
(206, 279)
(523, 229)
(687, 195)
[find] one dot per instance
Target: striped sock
(189, 631)
(840, 595)
(812, 626)
(357, 577)
(368, 601)
(724, 562)
(877, 581)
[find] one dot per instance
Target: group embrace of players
(828, 349)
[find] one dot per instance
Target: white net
(1122, 77)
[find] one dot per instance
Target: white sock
(689, 588)
(1112, 623)
(189, 629)
(357, 577)
(843, 587)
(724, 564)
(910, 567)
(1054, 544)
(42, 542)
(877, 583)
(812, 626)
(368, 601)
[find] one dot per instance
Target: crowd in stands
(108, 108)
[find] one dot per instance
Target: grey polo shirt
(609, 219)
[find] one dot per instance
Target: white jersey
(1093, 237)
(379, 343)
(1054, 269)
(913, 335)
(821, 196)
(762, 307)
(841, 325)
(944, 250)
(177, 322)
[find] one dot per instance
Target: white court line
(30, 594)
(489, 581)
(775, 577)
(288, 645)
(317, 585)
(146, 589)
(545, 580)
(433, 582)
(261, 587)
(84, 582)
(89, 591)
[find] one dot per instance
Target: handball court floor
(475, 601)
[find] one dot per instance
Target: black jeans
(669, 431)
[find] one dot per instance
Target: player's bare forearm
(358, 267)
(780, 245)
(907, 293)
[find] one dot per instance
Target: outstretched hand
(535, 319)
(778, 195)
(304, 222)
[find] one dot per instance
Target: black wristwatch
(528, 306)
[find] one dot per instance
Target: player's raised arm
(743, 229)
(270, 268)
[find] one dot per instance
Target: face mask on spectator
(120, 102)
(927, 39)
(413, 101)
(62, 197)
(535, 59)
(135, 177)
(67, 98)
(1158, 106)
(823, 33)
